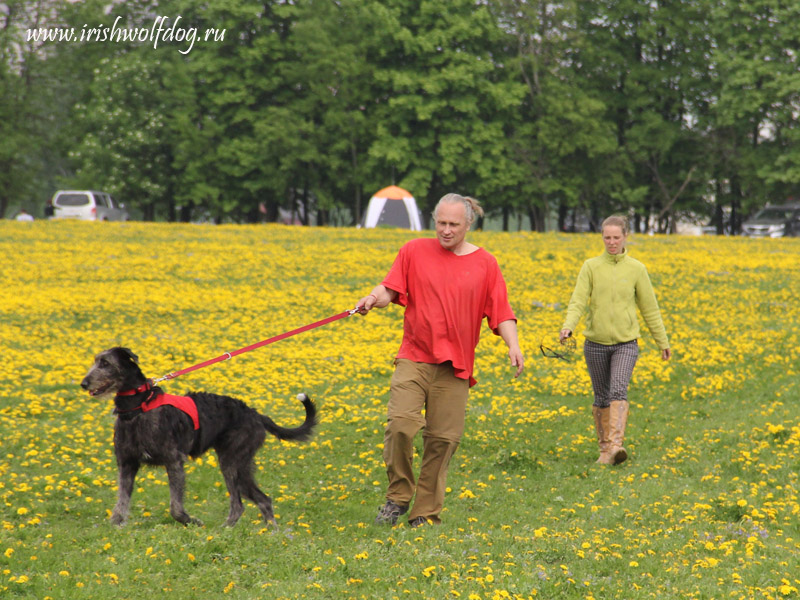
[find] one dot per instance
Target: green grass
(707, 506)
(545, 520)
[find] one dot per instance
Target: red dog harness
(183, 403)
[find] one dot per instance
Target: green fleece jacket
(608, 290)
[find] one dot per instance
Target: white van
(86, 205)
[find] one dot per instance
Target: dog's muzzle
(99, 391)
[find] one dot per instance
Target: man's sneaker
(389, 512)
(418, 522)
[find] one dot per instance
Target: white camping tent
(394, 207)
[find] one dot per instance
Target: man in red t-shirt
(447, 286)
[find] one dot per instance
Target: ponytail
(471, 206)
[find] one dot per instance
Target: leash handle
(272, 340)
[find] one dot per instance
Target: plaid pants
(610, 369)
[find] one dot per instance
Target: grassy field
(707, 506)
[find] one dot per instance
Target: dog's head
(113, 370)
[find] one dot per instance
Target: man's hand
(366, 304)
(508, 331)
(517, 360)
(379, 297)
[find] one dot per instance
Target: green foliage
(537, 108)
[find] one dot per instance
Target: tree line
(658, 109)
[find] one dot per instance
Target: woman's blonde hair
(616, 221)
(471, 206)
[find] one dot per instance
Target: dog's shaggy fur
(166, 436)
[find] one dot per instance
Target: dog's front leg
(126, 476)
(177, 484)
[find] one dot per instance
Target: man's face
(451, 225)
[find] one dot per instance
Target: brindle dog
(166, 435)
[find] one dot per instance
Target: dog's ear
(129, 353)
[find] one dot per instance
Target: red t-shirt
(446, 297)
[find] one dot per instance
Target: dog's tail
(301, 433)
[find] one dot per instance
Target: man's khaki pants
(443, 396)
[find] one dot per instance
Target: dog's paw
(186, 519)
(117, 519)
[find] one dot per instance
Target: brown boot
(601, 424)
(617, 422)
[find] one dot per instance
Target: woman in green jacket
(608, 290)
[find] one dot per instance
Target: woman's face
(614, 239)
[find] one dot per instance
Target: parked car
(85, 205)
(774, 221)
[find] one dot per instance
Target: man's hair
(471, 206)
(617, 221)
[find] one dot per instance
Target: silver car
(86, 205)
(774, 221)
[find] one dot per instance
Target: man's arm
(508, 331)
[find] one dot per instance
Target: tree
(648, 57)
(127, 148)
(27, 140)
(561, 132)
(443, 99)
(752, 111)
(14, 139)
(537, 108)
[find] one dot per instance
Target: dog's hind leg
(231, 475)
(239, 481)
(125, 479)
(251, 491)
(177, 485)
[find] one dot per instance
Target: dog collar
(147, 385)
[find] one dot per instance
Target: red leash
(277, 338)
